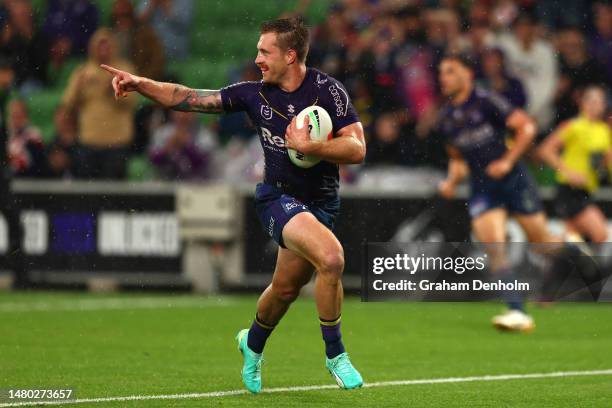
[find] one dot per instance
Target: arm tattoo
(197, 100)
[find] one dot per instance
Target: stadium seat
(42, 105)
(139, 168)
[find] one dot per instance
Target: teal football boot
(251, 370)
(342, 370)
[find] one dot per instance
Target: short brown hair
(291, 34)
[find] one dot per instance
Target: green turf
(190, 348)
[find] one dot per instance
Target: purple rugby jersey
(271, 110)
(477, 128)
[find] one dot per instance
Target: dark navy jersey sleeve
(335, 100)
(235, 98)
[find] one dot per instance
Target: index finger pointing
(110, 69)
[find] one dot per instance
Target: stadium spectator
(478, 36)
(479, 14)
(182, 149)
(475, 42)
(363, 103)
(560, 13)
(26, 152)
(443, 31)
(378, 67)
(10, 206)
(415, 60)
(240, 161)
(532, 60)
(69, 24)
(578, 70)
(359, 13)
(331, 42)
(147, 119)
(106, 126)
(171, 20)
(601, 40)
(387, 146)
(62, 153)
(504, 13)
(137, 41)
(495, 77)
(411, 25)
(24, 45)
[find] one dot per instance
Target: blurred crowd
(539, 54)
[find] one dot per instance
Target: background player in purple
(475, 123)
(296, 206)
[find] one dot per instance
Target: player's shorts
(275, 208)
(517, 193)
(571, 201)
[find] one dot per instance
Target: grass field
(124, 344)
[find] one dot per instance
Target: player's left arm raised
(524, 133)
(347, 146)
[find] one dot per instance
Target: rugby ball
(320, 127)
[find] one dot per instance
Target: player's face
(271, 59)
(453, 78)
(594, 103)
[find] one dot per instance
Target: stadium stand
(223, 35)
(213, 56)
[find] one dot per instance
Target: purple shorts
(275, 208)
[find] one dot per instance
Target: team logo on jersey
(266, 112)
(320, 81)
(291, 109)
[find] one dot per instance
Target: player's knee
(332, 263)
(286, 294)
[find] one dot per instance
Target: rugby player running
(297, 207)
(474, 123)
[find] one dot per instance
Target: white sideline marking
(111, 304)
(213, 394)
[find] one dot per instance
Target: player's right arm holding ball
(172, 96)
